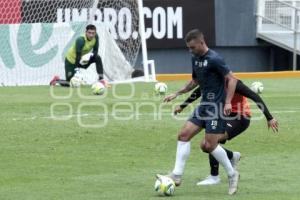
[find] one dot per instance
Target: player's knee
(207, 147)
(202, 146)
(184, 135)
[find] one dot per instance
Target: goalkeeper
(83, 46)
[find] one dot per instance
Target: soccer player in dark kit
(237, 124)
(214, 77)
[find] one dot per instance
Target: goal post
(36, 34)
(143, 41)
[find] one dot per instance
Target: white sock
(182, 154)
(220, 155)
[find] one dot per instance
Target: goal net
(36, 34)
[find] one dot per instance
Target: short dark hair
(194, 34)
(90, 27)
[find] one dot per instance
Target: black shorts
(203, 117)
(236, 125)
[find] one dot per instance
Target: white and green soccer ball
(160, 88)
(257, 87)
(98, 88)
(164, 186)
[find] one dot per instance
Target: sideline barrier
(242, 75)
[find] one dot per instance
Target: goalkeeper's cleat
(235, 159)
(210, 180)
(233, 182)
(105, 83)
(54, 80)
(174, 177)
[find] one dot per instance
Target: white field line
(279, 96)
(76, 115)
(286, 111)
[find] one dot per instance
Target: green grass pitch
(52, 145)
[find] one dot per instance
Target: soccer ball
(75, 81)
(160, 88)
(257, 87)
(164, 186)
(98, 88)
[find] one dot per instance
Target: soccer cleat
(210, 180)
(233, 183)
(235, 160)
(175, 178)
(54, 80)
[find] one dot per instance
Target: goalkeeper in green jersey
(83, 46)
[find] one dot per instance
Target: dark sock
(214, 165)
(229, 153)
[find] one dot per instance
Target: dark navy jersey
(209, 71)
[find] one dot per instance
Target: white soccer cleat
(210, 180)
(233, 182)
(235, 160)
(174, 177)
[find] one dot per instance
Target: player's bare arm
(186, 88)
(231, 85)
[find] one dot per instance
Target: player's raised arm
(244, 90)
(186, 88)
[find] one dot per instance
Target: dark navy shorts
(209, 117)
